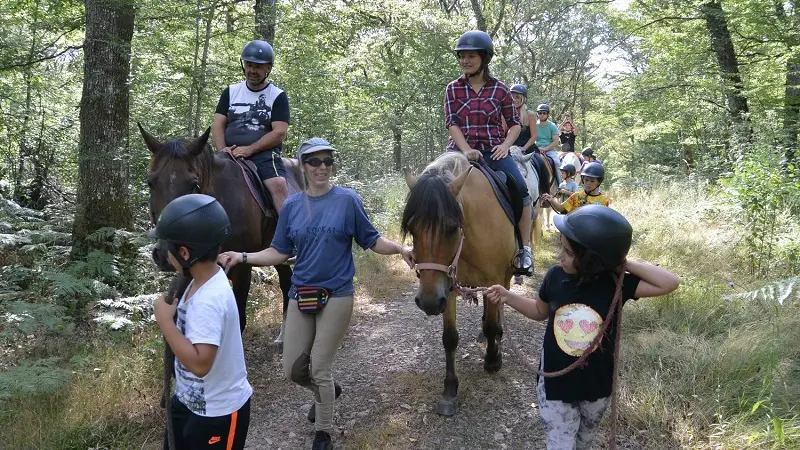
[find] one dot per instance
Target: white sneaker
(279, 340)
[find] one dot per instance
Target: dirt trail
(391, 366)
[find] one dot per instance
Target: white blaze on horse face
(172, 176)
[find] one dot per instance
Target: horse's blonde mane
(450, 165)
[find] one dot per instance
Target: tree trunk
(102, 199)
(722, 45)
(265, 14)
(200, 72)
(791, 118)
(791, 93)
(479, 19)
(24, 148)
(397, 146)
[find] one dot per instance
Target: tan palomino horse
(461, 237)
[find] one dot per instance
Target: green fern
(38, 377)
(65, 285)
(101, 237)
(779, 291)
(23, 318)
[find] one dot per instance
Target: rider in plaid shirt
(475, 107)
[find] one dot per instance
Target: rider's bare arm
(271, 139)
(534, 132)
(218, 131)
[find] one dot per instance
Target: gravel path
(391, 367)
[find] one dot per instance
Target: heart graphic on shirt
(588, 327)
(565, 325)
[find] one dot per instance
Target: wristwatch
(244, 257)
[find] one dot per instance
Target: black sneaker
(322, 441)
(312, 413)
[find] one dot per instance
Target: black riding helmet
(604, 232)
(478, 41)
(196, 221)
(544, 107)
(569, 169)
(259, 52)
(594, 169)
(520, 89)
(587, 151)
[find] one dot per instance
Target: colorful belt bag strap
(311, 300)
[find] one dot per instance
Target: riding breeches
(310, 345)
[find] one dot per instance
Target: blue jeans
(508, 166)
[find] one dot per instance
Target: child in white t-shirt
(211, 404)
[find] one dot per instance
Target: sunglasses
(316, 162)
(542, 113)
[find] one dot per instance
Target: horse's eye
(150, 183)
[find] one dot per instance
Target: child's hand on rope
(497, 294)
(164, 311)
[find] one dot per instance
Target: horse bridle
(451, 270)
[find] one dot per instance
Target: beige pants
(310, 344)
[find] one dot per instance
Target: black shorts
(194, 432)
(269, 164)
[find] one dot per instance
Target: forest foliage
(702, 93)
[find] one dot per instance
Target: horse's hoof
(447, 406)
(493, 366)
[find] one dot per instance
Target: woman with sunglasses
(319, 224)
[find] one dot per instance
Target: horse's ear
(152, 143)
(197, 146)
(456, 185)
(411, 180)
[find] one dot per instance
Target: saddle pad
(498, 181)
(254, 185)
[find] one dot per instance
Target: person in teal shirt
(547, 136)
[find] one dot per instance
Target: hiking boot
(524, 262)
(322, 441)
(312, 413)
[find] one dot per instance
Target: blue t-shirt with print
(546, 133)
(322, 230)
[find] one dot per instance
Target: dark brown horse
(182, 166)
(461, 237)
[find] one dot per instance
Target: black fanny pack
(311, 300)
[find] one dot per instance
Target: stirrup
(524, 262)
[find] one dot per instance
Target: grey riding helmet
(601, 230)
(520, 89)
(544, 107)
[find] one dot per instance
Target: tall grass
(700, 371)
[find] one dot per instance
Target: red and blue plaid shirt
(479, 115)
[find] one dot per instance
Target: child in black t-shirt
(576, 297)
